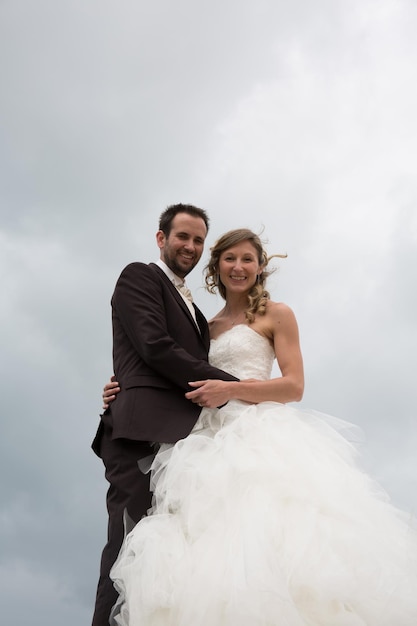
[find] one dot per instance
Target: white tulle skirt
(261, 517)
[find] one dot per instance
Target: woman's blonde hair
(258, 296)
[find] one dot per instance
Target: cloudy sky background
(295, 119)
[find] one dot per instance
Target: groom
(160, 343)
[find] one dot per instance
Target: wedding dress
(261, 517)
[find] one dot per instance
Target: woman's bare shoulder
(278, 317)
(214, 322)
(279, 310)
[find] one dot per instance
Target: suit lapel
(201, 320)
(203, 326)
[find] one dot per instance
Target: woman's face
(239, 267)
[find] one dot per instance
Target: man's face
(183, 248)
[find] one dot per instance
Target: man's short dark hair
(165, 220)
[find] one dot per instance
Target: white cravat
(185, 291)
(186, 296)
(181, 286)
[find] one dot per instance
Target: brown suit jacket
(157, 350)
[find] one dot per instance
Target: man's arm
(138, 301)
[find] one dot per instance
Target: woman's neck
(235, 308)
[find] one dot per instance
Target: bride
(261, 516)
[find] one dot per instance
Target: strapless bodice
(242, 352)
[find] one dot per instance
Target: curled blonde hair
(258, 296)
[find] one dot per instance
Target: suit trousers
(128, 497)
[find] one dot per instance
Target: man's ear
(160, 238)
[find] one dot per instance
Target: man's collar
(172, 277)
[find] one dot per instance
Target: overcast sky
(296, 119)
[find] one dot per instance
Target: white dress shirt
(178, 282)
